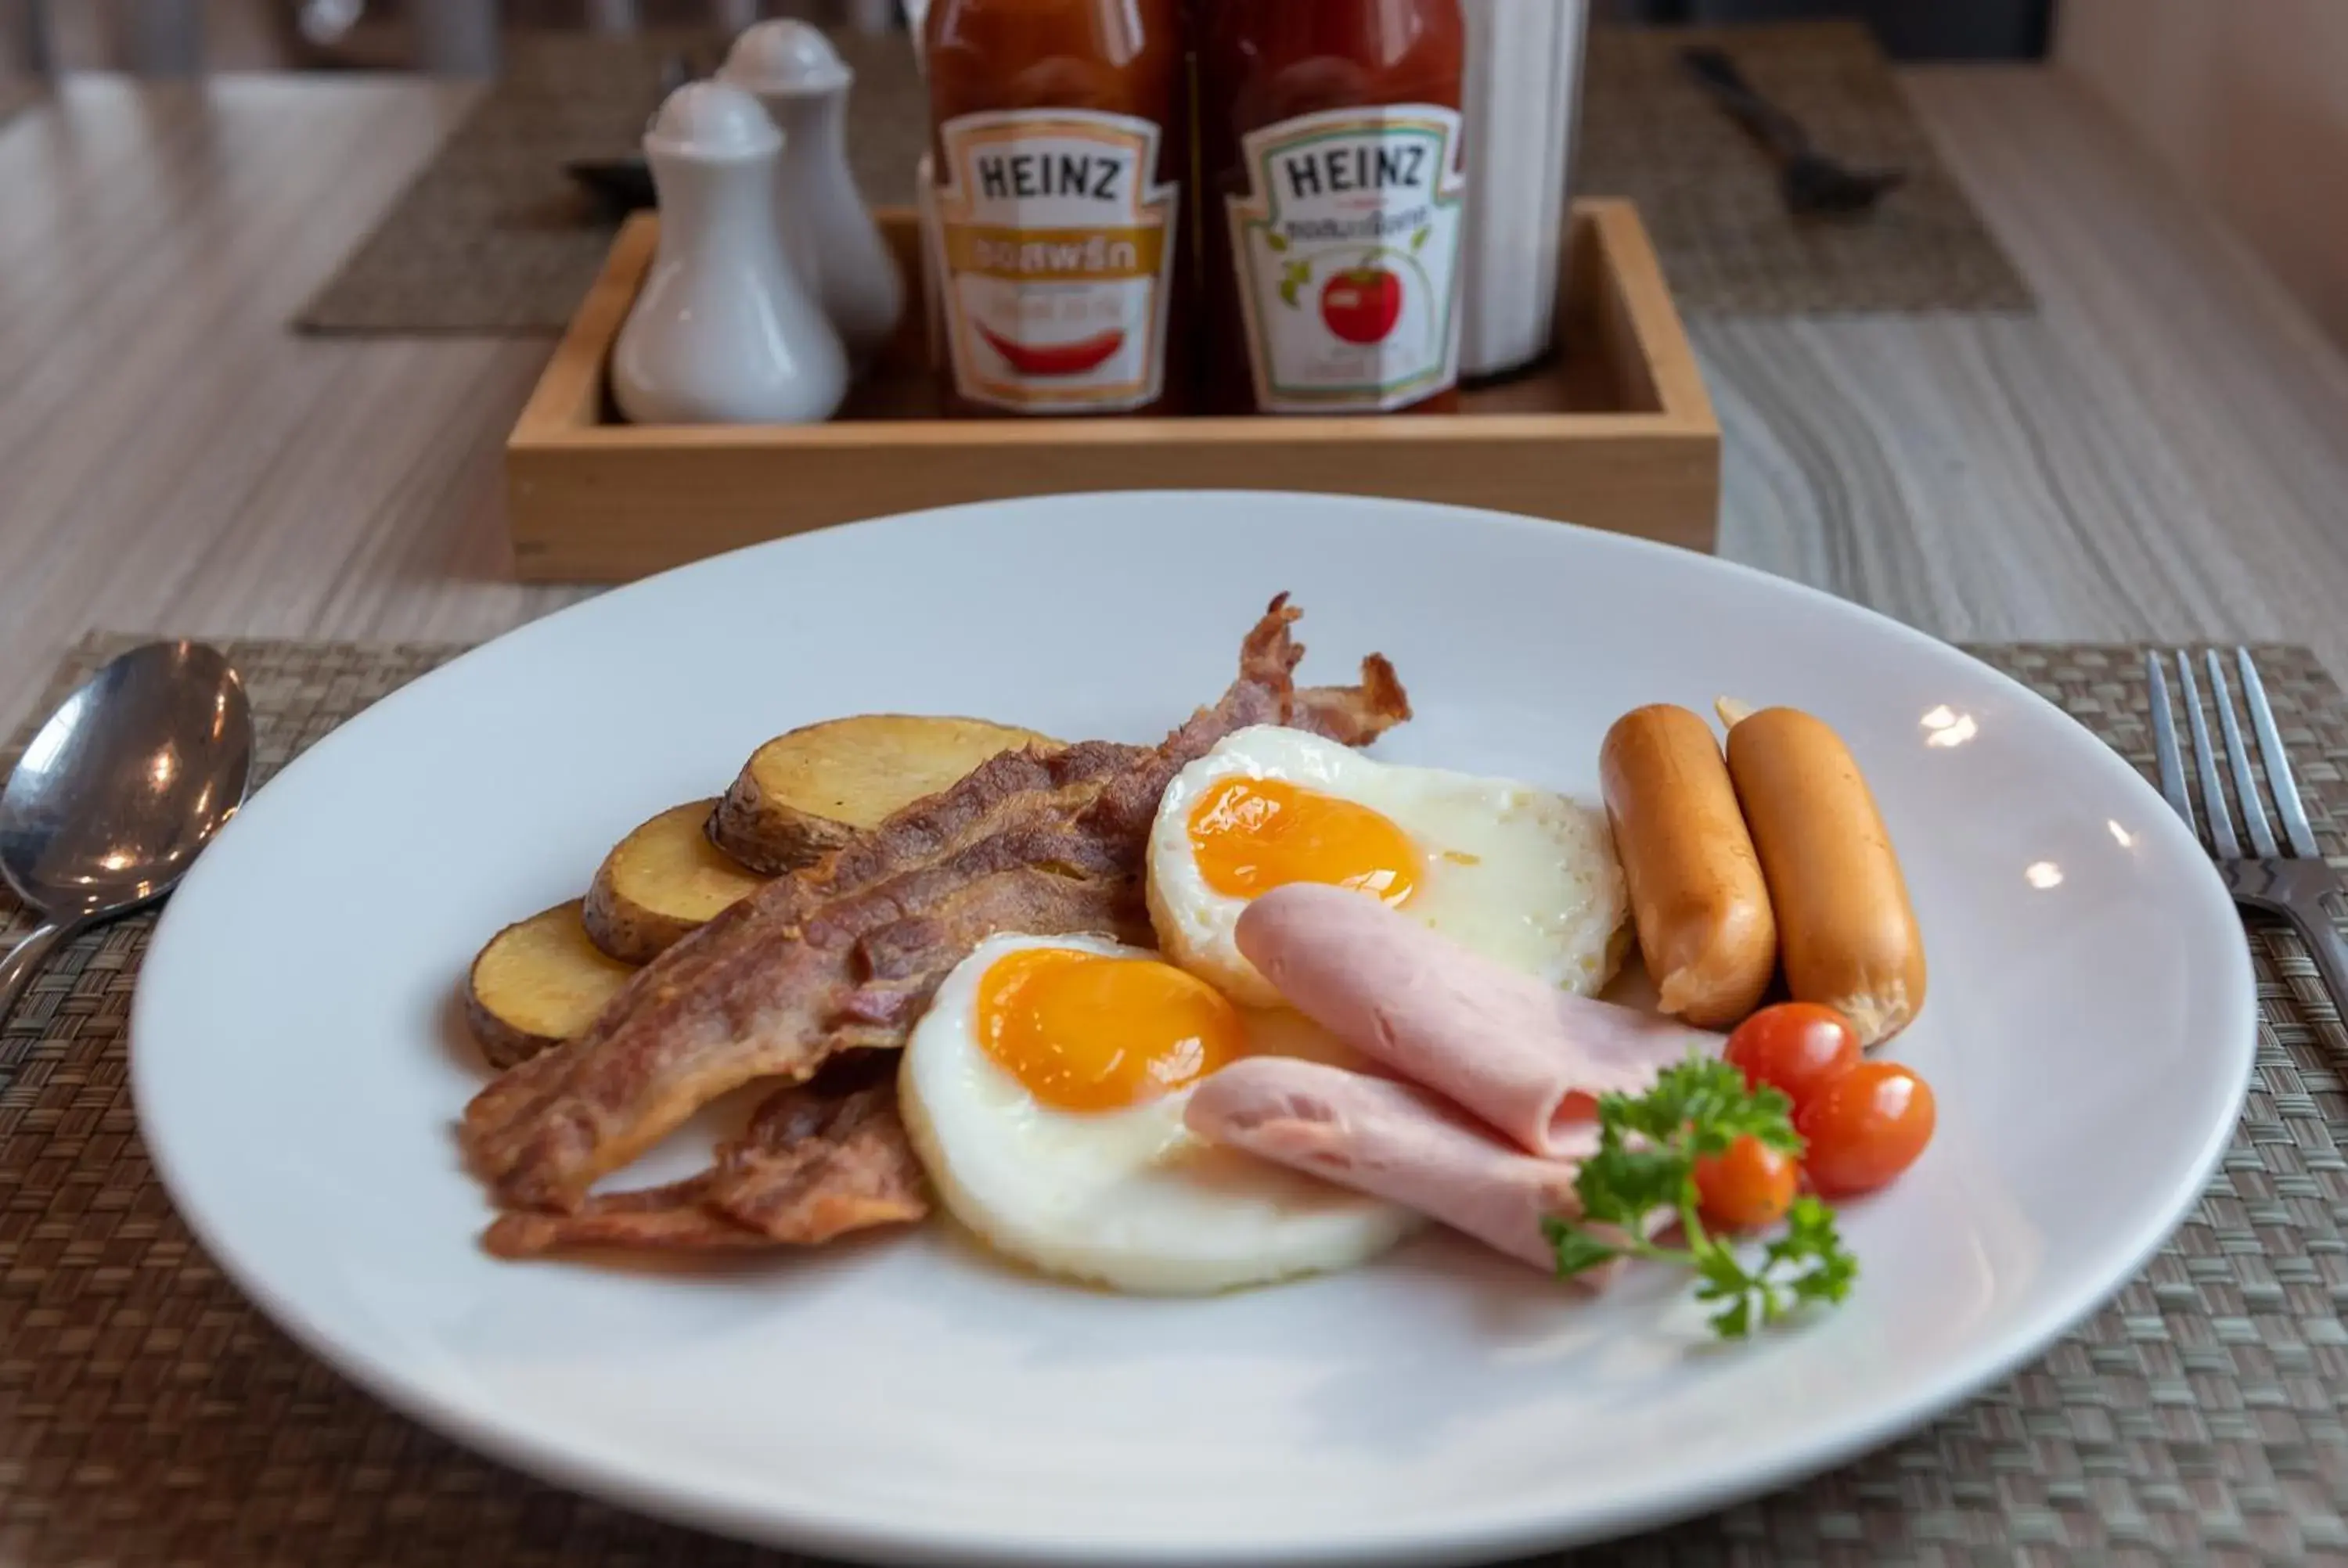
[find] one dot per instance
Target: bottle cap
(785, 57)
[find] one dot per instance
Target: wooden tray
(1616, 433)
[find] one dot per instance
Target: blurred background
(276, 34)
(2238, 101)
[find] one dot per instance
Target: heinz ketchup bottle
(1061, 150)
(1329, 137)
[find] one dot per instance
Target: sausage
(1844, 919)
(1703, 911)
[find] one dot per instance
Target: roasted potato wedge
(539, 982)
(805, 794)
(659, 883)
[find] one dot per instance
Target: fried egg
(1524, 877)
(1043, 1091)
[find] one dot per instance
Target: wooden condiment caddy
(1616, 433)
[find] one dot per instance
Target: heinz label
(1057, 250)
(1347, 245)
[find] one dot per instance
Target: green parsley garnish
(1647, 1151)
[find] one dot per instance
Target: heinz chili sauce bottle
(1060, 148)
(1329, 134)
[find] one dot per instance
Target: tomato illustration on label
(1058, 358)
(1346, 239)
(1362, 305)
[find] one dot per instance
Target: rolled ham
(1393, 1142)
(1526, 1058)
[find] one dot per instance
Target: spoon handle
(25, 960)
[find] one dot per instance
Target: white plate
(298, 1066)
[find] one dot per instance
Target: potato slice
(539, 982)
(659, 882)
(803, 794)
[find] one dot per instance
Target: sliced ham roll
(1393, 1142)
(1525, 1057)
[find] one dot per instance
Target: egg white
(1127, 1199)
(1523, 875)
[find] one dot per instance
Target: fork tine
(2286, 789)
(2205, 766)
(2164, 741)
(2238, 758)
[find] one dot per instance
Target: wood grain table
(2161, 452)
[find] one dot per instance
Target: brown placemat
(17, 95)
(492, 238)
(148, 1415)
(1710, 199)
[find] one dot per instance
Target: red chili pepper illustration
(1059, 358)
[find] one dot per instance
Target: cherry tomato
(1864, 1126)
(1794, 1046)
(1750, 1186)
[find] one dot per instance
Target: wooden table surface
(2161, 452)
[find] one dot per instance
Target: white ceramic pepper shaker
(801, 78)
(724, 331)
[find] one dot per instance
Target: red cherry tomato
(1794, 1047)
(1864, 1126)
(1750, 1186)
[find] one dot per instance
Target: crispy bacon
(845, 954)
(817, 1160)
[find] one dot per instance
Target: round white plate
(298, 1064)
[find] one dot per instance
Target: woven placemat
(149, 1416)
(1710, 199)
(491, 238)
(16, 94)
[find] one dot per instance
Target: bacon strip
(817, 1160)
(846, 954)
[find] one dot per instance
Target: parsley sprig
(1647, 1152)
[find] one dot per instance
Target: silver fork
(2292, 880)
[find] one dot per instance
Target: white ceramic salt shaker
(724, 331)
(801, 78)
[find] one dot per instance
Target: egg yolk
(1084, 1033)
(1251, 836)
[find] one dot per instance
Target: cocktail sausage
(1697, 895)
(1845, 927)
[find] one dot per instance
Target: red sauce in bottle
(1061, 150)
(1330, 146)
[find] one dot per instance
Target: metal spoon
(119, 791)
